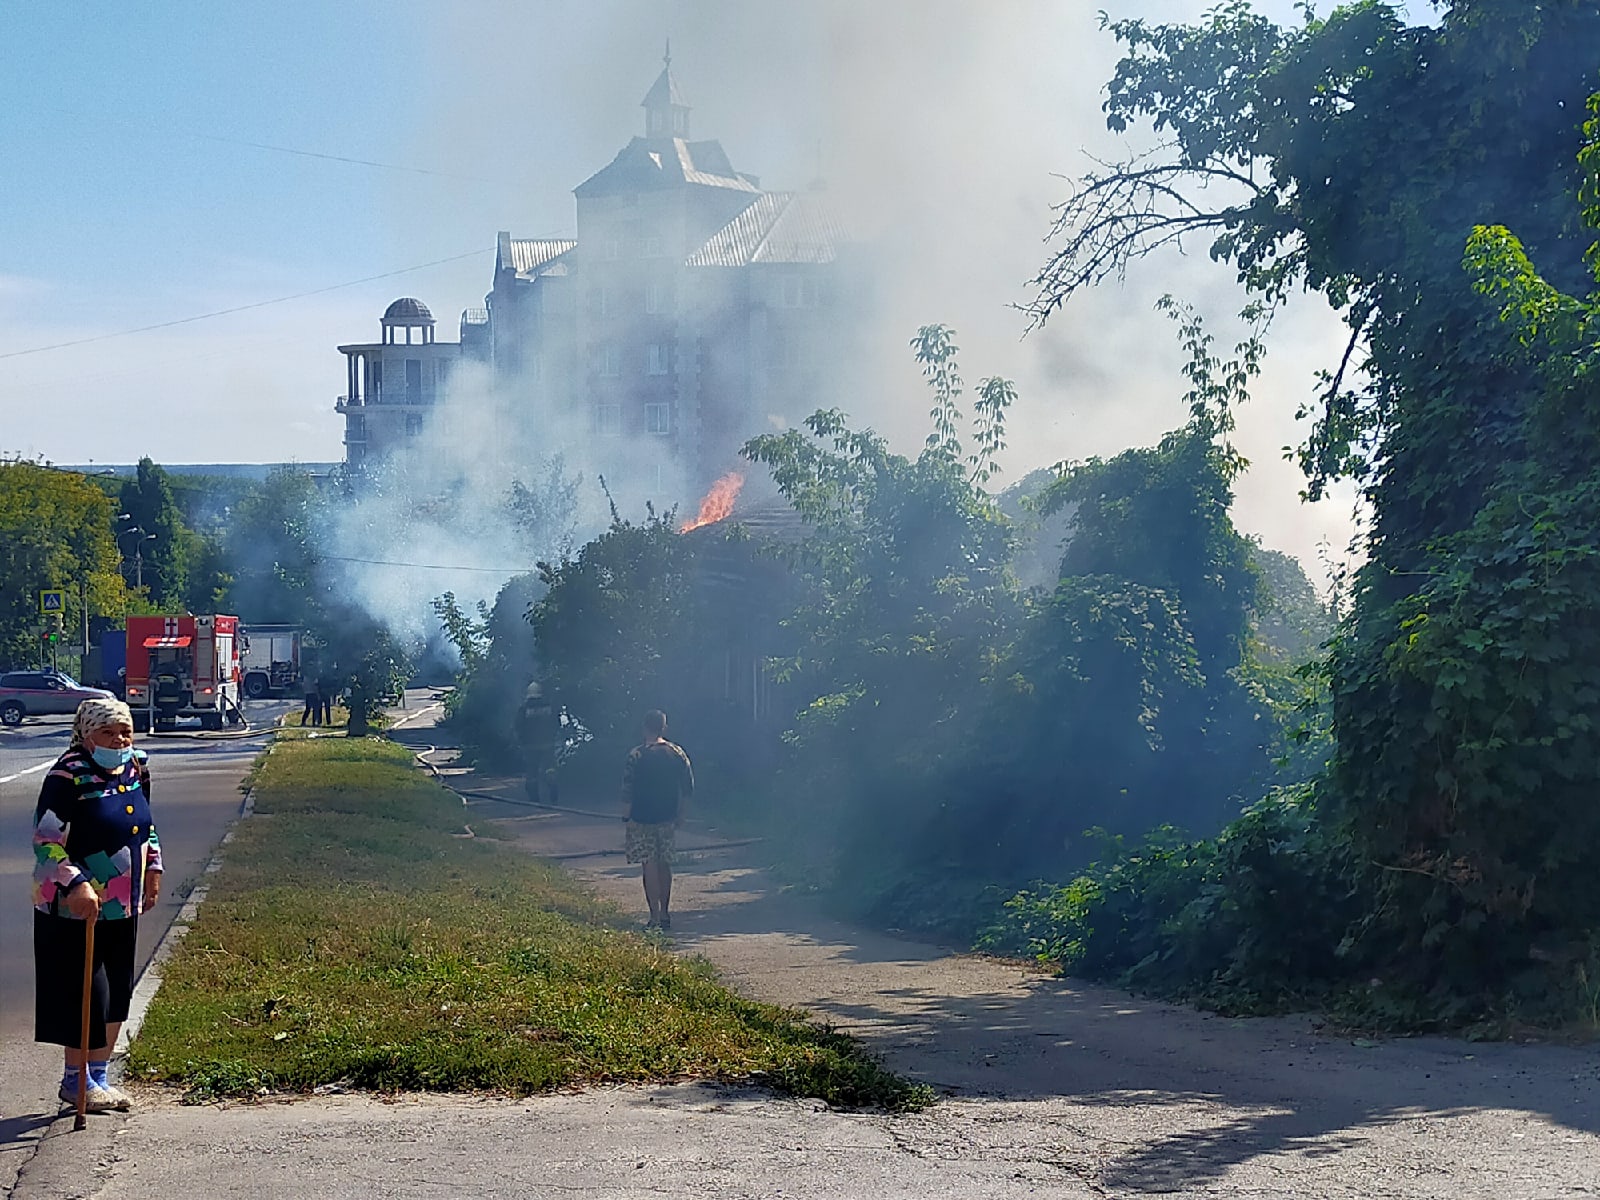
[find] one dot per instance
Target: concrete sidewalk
(691, 1140)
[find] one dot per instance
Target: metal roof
(646, 163)
(780, 227)
(407, 311)
(530, 257)
(664, 92)
(770, 521)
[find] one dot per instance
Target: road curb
(149, 983)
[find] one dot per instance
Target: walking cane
(80, 1119)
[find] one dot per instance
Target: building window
(655, 298)
(355, 428)
(798, 291)
(413, 424)
(441, 374)
(652, 247)
(375, 384)
(602, 302)
(413, 381)
(783, 352)
(660, 360)
(608, 420)
(610, 362)
(610, 248)
(658, 418)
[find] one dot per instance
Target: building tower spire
(666, 115)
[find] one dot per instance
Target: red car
(42, 694)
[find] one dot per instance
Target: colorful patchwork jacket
(94, 825)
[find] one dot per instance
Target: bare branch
(1124, 211)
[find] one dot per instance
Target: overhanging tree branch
(1127, 210)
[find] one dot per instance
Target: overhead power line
(102, 121)
(239, 308)
(384, 562)
(338, 158)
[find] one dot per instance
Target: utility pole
(138, 548)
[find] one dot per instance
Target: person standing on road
(96, 856)
(313, 708)
(657, 782)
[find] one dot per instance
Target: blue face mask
(113, 758)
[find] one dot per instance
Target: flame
(718, 502)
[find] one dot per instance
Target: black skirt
(58, 978)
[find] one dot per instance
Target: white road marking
(44, 766)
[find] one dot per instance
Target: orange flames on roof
(718, 502)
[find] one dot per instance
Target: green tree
(151, 529)
(1357, 155)
(273, 550)
(906, 564)
(55, 532)
(617, 623)
(1291, 620)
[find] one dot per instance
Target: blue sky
(129, 197)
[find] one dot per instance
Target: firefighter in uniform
(538, 729)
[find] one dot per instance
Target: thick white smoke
(943, 131)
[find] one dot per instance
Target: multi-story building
(692, 311)
(392, 385)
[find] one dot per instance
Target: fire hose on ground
(492, 797)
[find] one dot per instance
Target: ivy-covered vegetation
(1442, 870)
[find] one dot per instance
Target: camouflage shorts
(651, 843)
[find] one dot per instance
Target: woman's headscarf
(95, 715)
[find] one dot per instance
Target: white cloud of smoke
(943, 130)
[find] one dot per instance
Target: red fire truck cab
(183, 667)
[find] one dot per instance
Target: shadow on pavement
(15, 1131)
(1199, 1093)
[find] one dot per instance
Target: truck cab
(270, 658)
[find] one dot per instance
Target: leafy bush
(1251, 920)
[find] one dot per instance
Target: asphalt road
(195, 797)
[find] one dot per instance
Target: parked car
(42, 694)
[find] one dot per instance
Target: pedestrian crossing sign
(52, 600)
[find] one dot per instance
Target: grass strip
(356, 936)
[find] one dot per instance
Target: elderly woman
(96, 857)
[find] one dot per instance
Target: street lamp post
(138, 550)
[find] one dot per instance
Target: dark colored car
(42, 694)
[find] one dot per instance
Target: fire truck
(183, 667)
